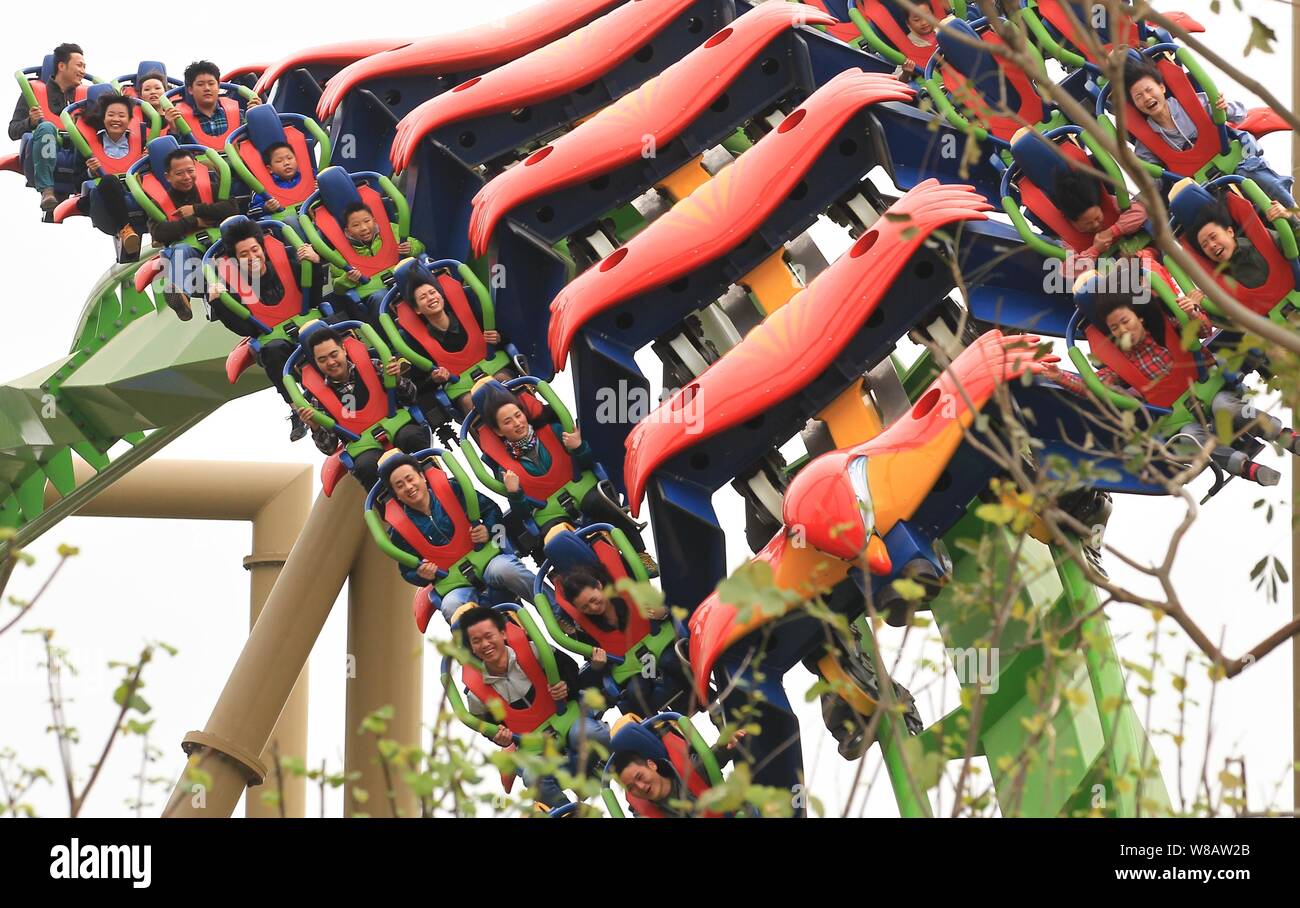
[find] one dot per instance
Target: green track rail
(134, 379)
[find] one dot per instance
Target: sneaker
(1265, 476)
(179, 303)
(130, 240)
(48, 200)
(651, 568)
(1290, 440)
(297, 428)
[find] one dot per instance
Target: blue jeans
(183, 270)
(1275, 186)
(44, 149)
(587, 730)
(505, 572)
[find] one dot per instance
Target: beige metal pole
(276, 528)
(385, 658)
(276, 498)
(227, 750)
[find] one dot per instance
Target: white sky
(182, 582)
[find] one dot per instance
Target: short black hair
(1136, 69)
(1107, 303)
(242, 229)
(352, 209)
(495, 406)
(622, 759)
(1214, 213)
(63, 53)
(318, 336)
(477, 615)
(272, 149)
(176, 156)
(201, 68)
(96, 117)
(582, 577)
(1074, 192)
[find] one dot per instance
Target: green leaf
(909, 589)
(1261, 36)
(998, 514)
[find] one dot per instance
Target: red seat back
(369, 265)
(519, 721)
(354, 420)
(459, 361)
(616, 642)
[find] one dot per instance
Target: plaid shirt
(1152, 359)
(215, 125)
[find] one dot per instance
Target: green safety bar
(1110, 166)
(182, 126)
(29, 95)
(873, 40)
(1043, 38)
(228, 300)
(389, 381)
(483, 726)
(323, 155)
(83, 147)
(375, 522)
(1035, 241)
(476, 463)
(469, 278)
(151, 209)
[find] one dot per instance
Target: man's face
(204, 91)
(72, 72)
(409, 487)
(181, 173)
(642, 780)
(116, 119)
(1090, 221)
(151, 90)
(1148, 97)
(512, 424)
(428, 301)
(488, 643)
(1218, 243)
(361, 226)
(330, 358)
(284, 163)
(251, 256)
(1125, 327)
(591, 601)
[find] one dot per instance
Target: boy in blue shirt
(282, 164)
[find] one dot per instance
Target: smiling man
(60, 91)
(189, 214)
(444, 524)
(507, 676)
